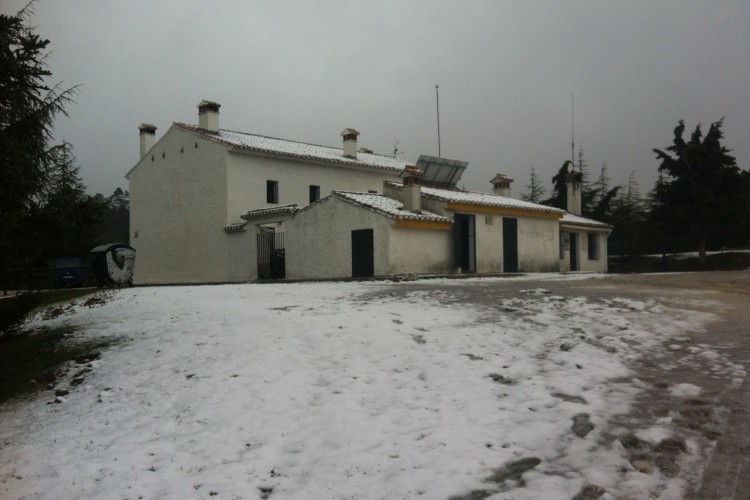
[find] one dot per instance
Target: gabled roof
(576, 220)
(387, 206)
(481, 199)
(293, 149)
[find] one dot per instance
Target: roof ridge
(198, 130)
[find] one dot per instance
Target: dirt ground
(720, 417)
(727, 472)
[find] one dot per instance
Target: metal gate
(271, 256)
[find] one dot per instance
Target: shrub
(14, 310)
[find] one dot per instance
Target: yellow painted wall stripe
(483, 209)
(423, 224)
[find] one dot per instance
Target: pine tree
(628, 218)
(534, 190)
(702, 187)
(27, 110)
(66, 218)
(559, 197)
(588, 190)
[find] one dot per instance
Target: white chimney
(501, 185)
(350, 142)
(208, 116)
(147, 134)
(412, 190)
(573, 192)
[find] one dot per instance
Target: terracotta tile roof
(235, 228)
(283, 147)
(387, 206)
(269, 211)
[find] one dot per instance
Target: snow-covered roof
(387, 206)
(481, 199)
(576, 220)
(284, 147)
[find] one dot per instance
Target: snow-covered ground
(343, 390)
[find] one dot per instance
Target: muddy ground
(720, 416)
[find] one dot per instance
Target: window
(314, 193)
(272, 191)
(593, 246)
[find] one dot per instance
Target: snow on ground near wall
(336, 390)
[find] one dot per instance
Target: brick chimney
(573, 193)
(412, 190)
(501, 185)
(147, 134)
(208, 116)
(350, 142)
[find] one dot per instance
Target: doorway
(573, 252)
(363, 253)
(510, 245)
(464, 242)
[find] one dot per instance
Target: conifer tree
(28, 107)
(702, 187)
(534, 190)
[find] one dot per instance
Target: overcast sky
(305, 70)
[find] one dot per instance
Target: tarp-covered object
(113, 263)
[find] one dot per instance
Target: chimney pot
(501, 185)
(208, 116)
(350, 143)
(147, 133)
(411, 194)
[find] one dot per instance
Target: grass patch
(50, 297)
(36, 357)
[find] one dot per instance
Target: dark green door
(464, 242)
(573, 252)
(510, 245)
(363, 254)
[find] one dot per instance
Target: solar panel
(440, 172)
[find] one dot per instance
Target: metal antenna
(572, 132)
(437, 100)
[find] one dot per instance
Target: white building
(212, 205)
(190, 188)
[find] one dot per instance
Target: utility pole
(437, 101)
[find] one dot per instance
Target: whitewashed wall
(420, 251)
(247, 175)
(599, 265)
(242, 255)
(318, 240)
(538, 240)
(538, 245)
(178, 211)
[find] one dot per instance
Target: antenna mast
(437, 101)
(572, 132)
